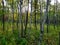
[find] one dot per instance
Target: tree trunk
(3, 14)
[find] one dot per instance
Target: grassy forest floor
(9, 36)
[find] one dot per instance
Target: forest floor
(8, 37)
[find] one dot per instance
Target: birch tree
(43, 20)
(41, 25)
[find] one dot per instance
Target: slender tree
(35, 12)
(47, 20)
(55, 13)
(43, 20)
(7, 13)
(3, 14)
(12, 15)
(41, 25)
(17, 14)
(26, 23)
(59, 38)
(30, 14)
(26, 20)
(18, 20)
(21, 17)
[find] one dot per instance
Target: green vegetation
(40, 26)
(8, 37)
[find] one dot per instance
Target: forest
(29, 22)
